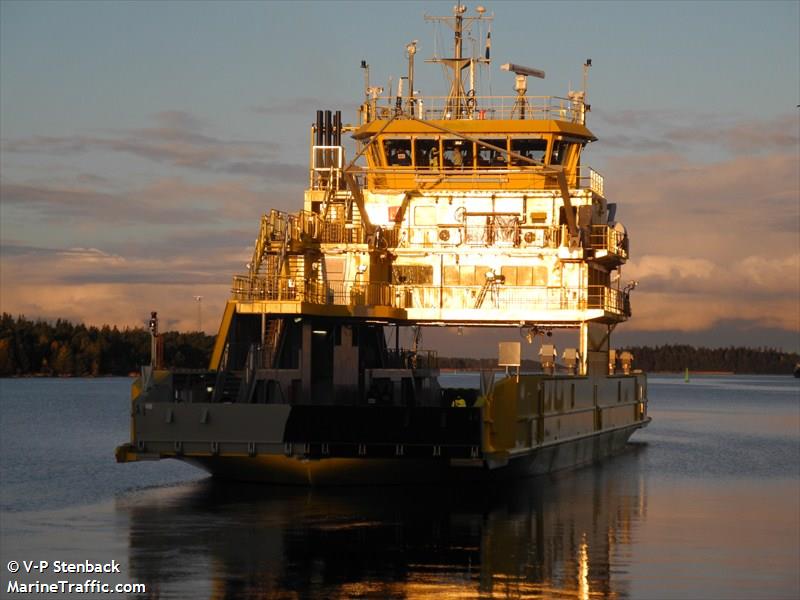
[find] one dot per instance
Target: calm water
(704, 504)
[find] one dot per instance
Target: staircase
(482, 294)
(230, 387)
(272, 341)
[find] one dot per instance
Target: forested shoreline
(63, 349)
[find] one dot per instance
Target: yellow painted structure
(454, 211)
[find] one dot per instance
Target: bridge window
(398, 152)
(560, 151)
(457, 153)
(489, 157)
(533, 149)
(412, 274)
(427, 153)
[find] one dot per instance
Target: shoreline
(443, 371)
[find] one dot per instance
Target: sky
(141, 141)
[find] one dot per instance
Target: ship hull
(290, 470)
(530, 425)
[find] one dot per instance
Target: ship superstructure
(456, 211)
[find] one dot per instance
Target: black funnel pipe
(318, 141)
(337, 120)
(328, 129)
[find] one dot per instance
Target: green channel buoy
(686, 376)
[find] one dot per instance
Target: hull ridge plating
(455, 211)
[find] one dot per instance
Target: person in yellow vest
(433, 158)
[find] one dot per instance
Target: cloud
(304, 105)
(713, 211)
(690, 294)
(711, 243)
(165, 201)
(98, 287)
(178, 139)
(671, 131)
(91, 179)
(639, 118)
(124, 305)
(696, 312)
(749, 279)
(636, 143)
(179, 121)
(747, 137)
(76, 265)
(285, 173)
(723, 211)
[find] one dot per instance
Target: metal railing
(497, 297)
(534, 176)
(603, 237)
(341, 232)
(344, 293)
(326, 168)
(596, 181)
(278, 226)
(487, 107)
(410, 359)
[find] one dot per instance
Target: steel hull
(290, 470)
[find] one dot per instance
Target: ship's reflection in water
(565, 536)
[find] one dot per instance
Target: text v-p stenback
(60, 566)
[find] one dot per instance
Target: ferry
(455, 211)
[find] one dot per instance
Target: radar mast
(458, 99)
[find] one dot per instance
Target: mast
(411, 50)
(457, 87)
(457, 105)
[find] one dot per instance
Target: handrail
(490, 108)
(607, 238)
(356, 293)
(583, 177)
(411, 359)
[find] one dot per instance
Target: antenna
(578, 99)
(365, 66)
(520, 70)
(586, 67)
(199, 300)
(411, 50)
(155, 342)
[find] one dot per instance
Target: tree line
(65, 349)
(62, 348)
(672, 358)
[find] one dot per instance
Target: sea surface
(705, 503)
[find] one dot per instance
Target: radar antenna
(521, 106)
